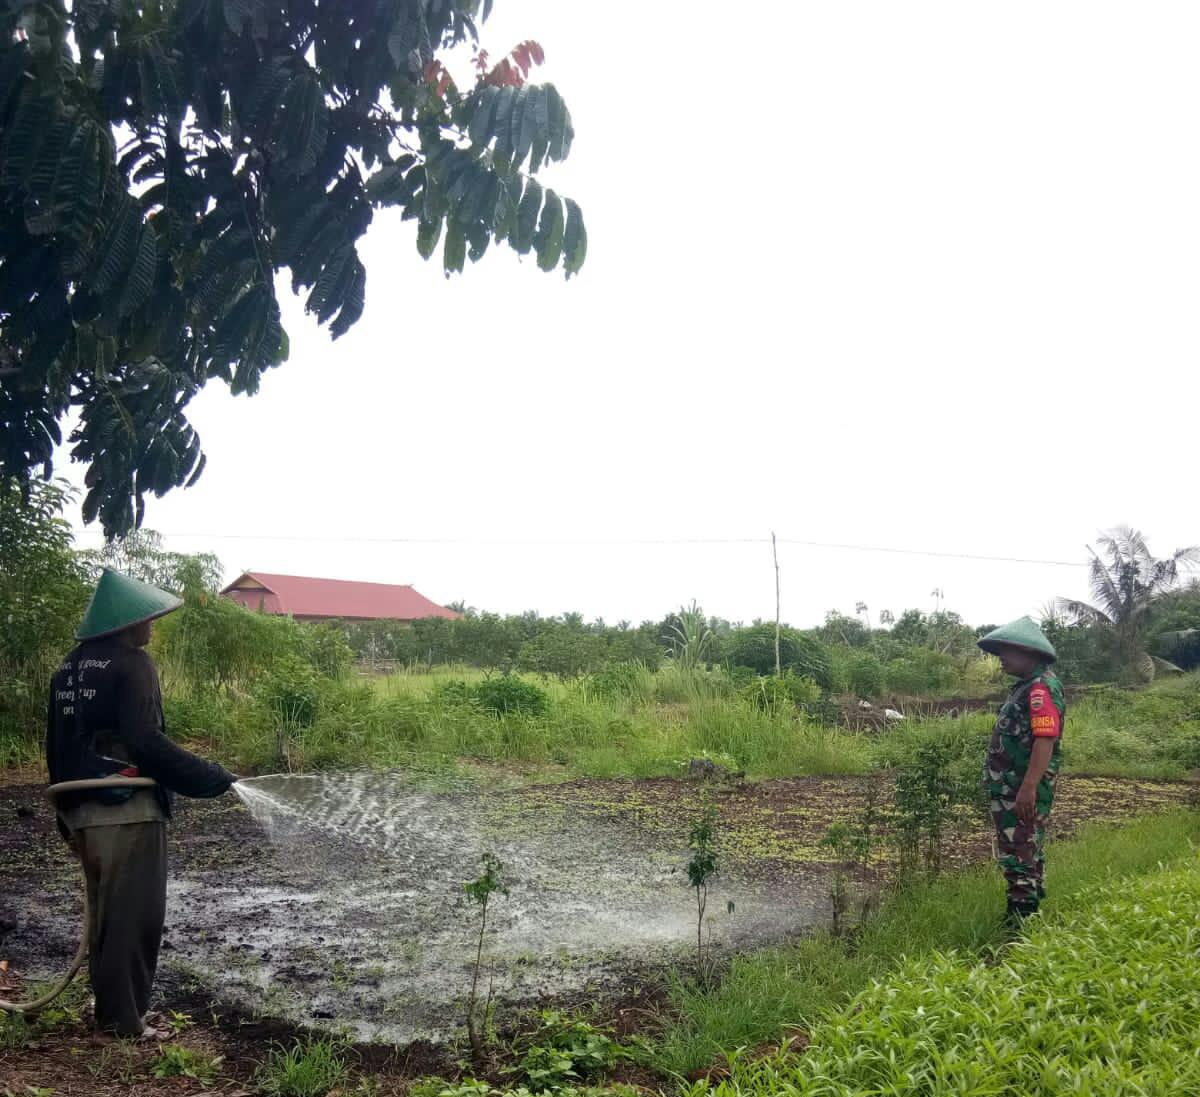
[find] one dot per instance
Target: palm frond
(1081, 613)
(1104, 588)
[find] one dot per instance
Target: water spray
(90, 784)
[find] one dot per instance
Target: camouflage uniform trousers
(1020, 849)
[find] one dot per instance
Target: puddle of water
(363, 922)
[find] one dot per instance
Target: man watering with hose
(105, 720)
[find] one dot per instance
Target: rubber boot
(1018, 911)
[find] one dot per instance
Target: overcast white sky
(921, 275)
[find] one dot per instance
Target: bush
(509, 694)
(754, 647)
(865, 675)
(620, 681)
(923, 672)
(563, 652)
(43, 592)
(290, 691)
(563, 1050)
(781, 695)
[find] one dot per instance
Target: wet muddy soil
(341, 904)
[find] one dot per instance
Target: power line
(619, 542)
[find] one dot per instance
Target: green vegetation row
(767, 993)
(1100, 999)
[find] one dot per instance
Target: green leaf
(427, 236)
(140, 281)
(118, 247)
(523, 141)
(353, 298)
(560, 129)
(549, 238)
(541, 141)
(13, 62)
(479, 129)
(521, 237)
(502, 127)
(394, 183)
(454, 251)
(508, 200)
(305, 125)
(574, 240)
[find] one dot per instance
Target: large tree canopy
(161, 160)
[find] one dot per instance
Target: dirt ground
(771, 835)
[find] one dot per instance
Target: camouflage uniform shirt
(1036, 708)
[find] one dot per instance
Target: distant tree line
(1144, 619)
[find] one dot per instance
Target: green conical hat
(120, 602)
(1021, 633)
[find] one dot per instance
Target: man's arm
(1045, 721)
(139, 712)
(1039, 760)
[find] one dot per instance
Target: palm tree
(1123, 587)
(690, 638)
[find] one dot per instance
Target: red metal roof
(304, 597)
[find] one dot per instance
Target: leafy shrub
(507, 693)
(619, 681)
(865, 675)
(563, 1050)
(563, 652)
(782, 694)
(290, 690)
(926, 795)
(177, 1061)
(923, 672)
(43, 591)
(192, 715)
(754, 647)
(328, 650)
(454, 691)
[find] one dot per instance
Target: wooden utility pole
(775, 555)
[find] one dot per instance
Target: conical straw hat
(1021, 633)
(120, 602)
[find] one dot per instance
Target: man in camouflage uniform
(1023, 759)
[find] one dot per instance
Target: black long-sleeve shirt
(115, 687)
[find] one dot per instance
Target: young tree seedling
(702, 841)
(480, 891)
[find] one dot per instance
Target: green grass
(1101, 998)
(178, 1061)
(308, 1069)
(628, 722)
(766, 992)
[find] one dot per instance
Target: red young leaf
(437, 75)
(513, 70)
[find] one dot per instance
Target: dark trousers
(1020, 849)
(126, 871)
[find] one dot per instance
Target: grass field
(635, 723)
(643, 725)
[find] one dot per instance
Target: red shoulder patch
(1044, 718)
